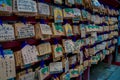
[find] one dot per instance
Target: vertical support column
(116, 53)
(110, 57)
(86, 75)
(79, 78)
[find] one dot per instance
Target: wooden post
(79, 78)
(86, 75)
(110, 57)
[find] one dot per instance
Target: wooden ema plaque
(29, 76)
(68, 29)
(65, 76)
(57, 51)
(22, 73)
(58, 29)
(25, 7)
(68, 13)
(84, 15)
(44, 48)
(7, 65)
(78, 2)
(43, 10)
(74, 73)
(5, 7)
(87, 3)
(43, 31)
(81, 69)
(76, 30)
(68, 46)
(29, 54)
(86, 63)
(58, 15)
(77, 47)
(18, 58)
(55, 67)
(96, 6)
(58, 1)
(6, 32)
(82, 30)
(86, 53)
(73, 60)
(24, 30)
(77, 15)
(43, 73)
(69, 2)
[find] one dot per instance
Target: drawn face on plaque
(74, 73)
(68, 13)
(6, 5)
(58, 29)
(66, 76)
(43, 73)
(58, 16)
(68, 29)
(58, 51)
(77, 15)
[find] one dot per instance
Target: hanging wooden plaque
(24, 30)
(6, 32)
(44, 48)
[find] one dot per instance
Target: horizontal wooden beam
(112, 3)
